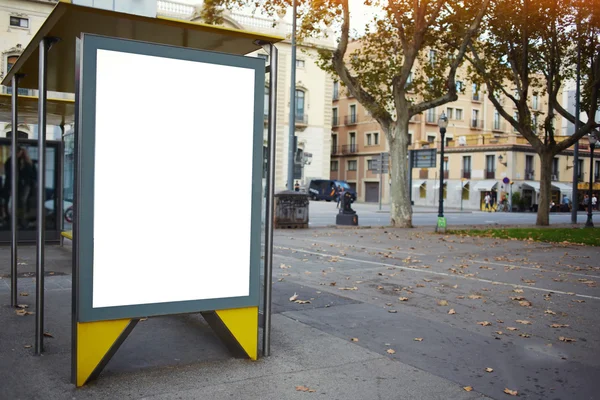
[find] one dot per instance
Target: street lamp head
(593, 138)
(443, 121)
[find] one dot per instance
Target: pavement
(356, 338)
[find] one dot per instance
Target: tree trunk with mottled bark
(400, 207)
(543, 214)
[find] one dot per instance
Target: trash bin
(291, 210)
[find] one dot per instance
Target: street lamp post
(442, 123)
(593, 139)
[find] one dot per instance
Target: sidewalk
(178, 357)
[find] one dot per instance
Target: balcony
(498, 126)
(476, 124)
(431, 118)
(301, 119)
(335, 121)
(349, 149)
(465, 174)
(476, 97)
(554, 176)
(335, 150)
(597, 178)
(529, 175)
(424, 173)
(351, 119)
(490, 174)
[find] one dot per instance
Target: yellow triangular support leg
(242, 324)
(97, 341)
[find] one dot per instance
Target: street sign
(506, 180)
(381, 163)
(425, 158)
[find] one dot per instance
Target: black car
(326, 189)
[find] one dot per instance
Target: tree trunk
(400, 208)
(543, 214)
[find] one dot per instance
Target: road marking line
(366, 247)
(440, 273)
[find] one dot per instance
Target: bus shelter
(150, 92)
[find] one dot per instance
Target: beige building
(482, 149)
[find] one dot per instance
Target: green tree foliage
(529, 47)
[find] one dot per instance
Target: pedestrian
(297, 187)
(566, 202)
(487, 199)
(585, 202)
(340, 193)
(594, 202)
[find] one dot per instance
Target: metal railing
(349, 148)
(529, 175)
(351, 119)
(465, 174)
(476, 123)
(335, 121)
(476, 97)
(301, 119)
(335, 150)
(554, 176)
(498, 126)
(490, 174)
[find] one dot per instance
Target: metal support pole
(272, 131)
(14, 174)
(441, 209)
(410, 168)
(292, 133)
(59, 196)
(589, 223)
(41, 182)
(575, 198)
(380, 178)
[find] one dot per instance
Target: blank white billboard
(173, 180)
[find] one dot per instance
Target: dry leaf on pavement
(467, 388)
(348, 288)
(442, 303)
(451, 311)
(304, 389)
(549, 312)
(354, 339)
(391, 351)
(392, 311)
(498, 332)
(524, 322)
(302, 301)
(474, 296)
(559, 326)
(283, 266)
(484, 323)
(403, 298)
(510, 328)
(524, 303)
(418, 339)
(518, 290)
(48, 334)
(525, 335)
(27, 346)
(566, 339)
(294, 297)
(511, 392)
(489, 370)
(23, 294)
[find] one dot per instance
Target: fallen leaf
(23, 294)
(559, 326)
(484, 323)
(510, 328)
(418, 339)
(294, 297)
(474, 296)
(498, 332)
(27, 346)
(499, 321)
(518, 290)
(304, 389)
(348, 288)
(524, 303)
(451, 311)
(354, 339)
(302, 301)
(524, 322)
(442, 303)
(489, 370)
(566, 339)
(511, 392)
(525, 335)
(403, 298)
(549, 312)
(579, 301)
(48, 334)
(391, 351)
(518, 298)
(379, 287)
(420, 285)
(332, 284)
(467, 388)
(283, 266)
(23, 306)
(427, 280)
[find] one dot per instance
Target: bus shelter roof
(67, 21)
(58, 111)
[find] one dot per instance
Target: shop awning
(563, 187)
(419, 183)
(532, 185)
(67, 22)
(484, 185)
(436, 184)
(461, 184)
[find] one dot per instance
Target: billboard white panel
(173, 180)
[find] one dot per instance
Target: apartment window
(580, 170)
(409, 80)
(431, 139)
(459, 114)
(334, 165)
(264, 57)
(450, 113)
(353, 113)
(490, 167)
(475, 119)
(334, 117)
(431, 115)
(336, 90)
(410, 139)
(352, 165)
(376, 138)
(516, 118)
(300, 63)
(555, 169)
(368, 139)
(370, 165)
(19, 22)
(475, 92)
(10, 61)
(466, 170)
(534, 122)
(352, 136)
(535, 102)
(529, 167)
(432, 55)
(597, 172)
(459, 86)
(300, 95)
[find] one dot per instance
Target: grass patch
(587, 236)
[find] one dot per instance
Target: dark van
(326, 189)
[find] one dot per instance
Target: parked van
(326, 189)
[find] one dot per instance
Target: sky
(360, 14)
